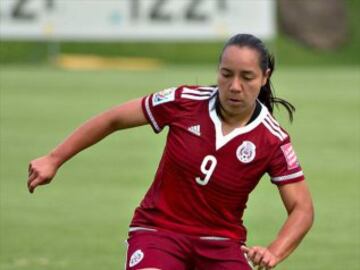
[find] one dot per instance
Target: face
(240, 79)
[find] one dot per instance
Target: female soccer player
(221, 141)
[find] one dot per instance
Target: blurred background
(63, 61)
(322, 32)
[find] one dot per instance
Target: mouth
(234, 101)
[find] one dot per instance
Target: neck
(236, 120)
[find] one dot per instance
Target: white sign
(135, 19)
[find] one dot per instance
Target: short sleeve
(284, 166)
(161, 108)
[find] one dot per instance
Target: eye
(225, 74)
(248, 78)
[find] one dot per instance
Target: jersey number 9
(207, 168)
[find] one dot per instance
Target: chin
(235, 110)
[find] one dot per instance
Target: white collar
(221, 139)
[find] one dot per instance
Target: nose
(236, 85)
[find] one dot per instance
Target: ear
(266, 77)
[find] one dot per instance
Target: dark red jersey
(204, 177)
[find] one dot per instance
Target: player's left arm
(298, 203)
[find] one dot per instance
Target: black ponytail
(267, 96)
(267, 61)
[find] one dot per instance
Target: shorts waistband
(214, 238)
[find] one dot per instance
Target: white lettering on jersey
(164, 96)
(195, 130)
(246, 152)
(136, 258)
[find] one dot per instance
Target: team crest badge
(164, 96)
(136, 258)
(246, 152)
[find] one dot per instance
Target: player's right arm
(127, 115)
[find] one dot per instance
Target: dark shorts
(173, 251)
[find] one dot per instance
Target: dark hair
(267, 61)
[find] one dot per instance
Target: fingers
(35, 179)
(260, 257)
(40, 172)
(265, 261)
(32, 176)
(33, 184)
(38, 181)
(257, 256)
(245, 249)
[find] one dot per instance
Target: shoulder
(273, 130)
(169, 105)
(183, 94)
(196, 92)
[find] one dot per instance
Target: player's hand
(260, 257)
(41, 171)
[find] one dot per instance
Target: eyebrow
(245, 72)
(248, 72)
(225, 69)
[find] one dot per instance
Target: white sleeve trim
(194, 97)
(287, 177)
(196, 92)
(151, 117)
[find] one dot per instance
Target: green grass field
(80, 221)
